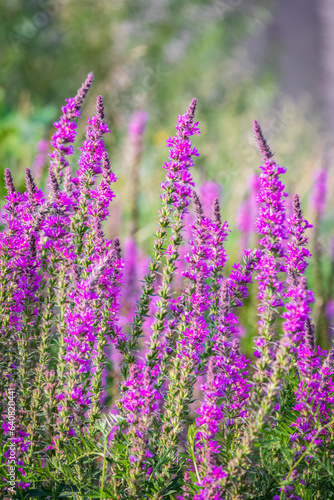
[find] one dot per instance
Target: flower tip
(263, 147)
(100, 107)
(54, 183)
(192, 108)
(9, 181)
(82, 92)
(31, 186)
(89, 80)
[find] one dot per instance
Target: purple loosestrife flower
(92, 153)
(271, 224)
(84, 317)
(139, 403)
(193, 330)
(311, 397)
(219, 232)
(22, 282)
(232, 292)
(195, 326)
(226, 381)
(18, 247)
(84, 209)
(129, 293)
(177, 189)
(205, 260)
(297, 313)
(241, 276)
(296, 251)
(63, 138)
(91, 305)
(314, 395)
(207, 255)
(223, 380)
(183, 370)
(75, 237)
(200, 251)
(180, 159)
(98, 209)
(91, 200)
(296, 264)
(90, 208)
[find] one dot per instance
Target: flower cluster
(129, 374)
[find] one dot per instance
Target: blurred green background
(242, 59)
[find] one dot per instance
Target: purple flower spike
(264, 149)
(271, 224)
(298, 310)
(180, 161)
(297, 253)
(66, 129)
(139, 404)
(9, 182)
(315, 390)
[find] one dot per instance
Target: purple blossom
(180, 161)
(271, 224)
(297, 313)
(315, 389)
(139, 403)
(66, 129)
(199, 246)
(296, 251)
(177, 190)
(226, 379)
(61, 282)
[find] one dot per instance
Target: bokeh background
(242, 59)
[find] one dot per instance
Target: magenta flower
(226, 379)
(180, 161)
(63, 138)
(63, 289)
(270, 224)
(296, 251)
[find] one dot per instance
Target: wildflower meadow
(125, 377)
